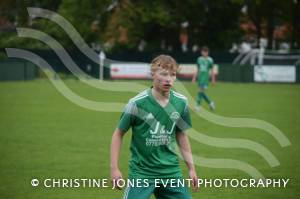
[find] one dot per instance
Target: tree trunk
(258, 33)
(270, 27)
(295, 26)
(257, 22)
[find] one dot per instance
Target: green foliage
(272, 13)
(212, 23)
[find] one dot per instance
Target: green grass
(43, 135)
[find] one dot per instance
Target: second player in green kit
(204, 66)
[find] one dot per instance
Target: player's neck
(162, 96)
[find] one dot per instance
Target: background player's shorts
(169, 192)
(203, 85)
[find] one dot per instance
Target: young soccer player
(159, 118)
(204, 65)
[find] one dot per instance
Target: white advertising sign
(274, 73)
(142, 71)
(130, 71)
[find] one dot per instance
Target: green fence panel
(298, 73)
(235, 73)
(16, 70)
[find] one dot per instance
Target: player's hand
(194, 177)
(115, 176)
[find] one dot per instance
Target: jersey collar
(153, 99)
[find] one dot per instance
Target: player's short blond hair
(164, 61)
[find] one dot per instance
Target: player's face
(163, 79)
(204, 53)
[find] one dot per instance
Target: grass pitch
(43, 135)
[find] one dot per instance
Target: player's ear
(152, 73)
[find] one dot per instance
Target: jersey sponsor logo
(161, 129)
(160, 135)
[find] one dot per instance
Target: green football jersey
(204, 66)
(153, 142)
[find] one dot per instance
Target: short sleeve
(198, 62)
(184, 122)
(127, 117)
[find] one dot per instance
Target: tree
(124, 24)
(269, 14)
(210, 23)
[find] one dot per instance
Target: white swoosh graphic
(61, 87)
(72, 66)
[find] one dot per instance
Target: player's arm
(195, 75)
(186, 152)
(197, 71)
(211, 66)
(115, 148)
(116, 141)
